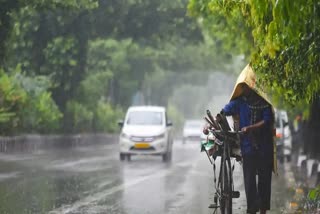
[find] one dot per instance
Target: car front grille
(142, 139)
(142, 149)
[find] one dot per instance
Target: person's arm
(253, 127)
(231, 108)
(266, 119)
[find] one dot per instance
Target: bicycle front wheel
(226, 187)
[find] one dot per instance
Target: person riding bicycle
(256, 119)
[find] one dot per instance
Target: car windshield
(145, 118)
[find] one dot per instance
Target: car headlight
(123, 135)
(160, 136)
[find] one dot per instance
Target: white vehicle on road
(146, 130)
(283, 136)
(192, 131)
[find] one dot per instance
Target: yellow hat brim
(248, 77)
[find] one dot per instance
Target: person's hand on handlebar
(218, 118)
(246, 129)
(257, 125)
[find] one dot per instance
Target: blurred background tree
(80, 64)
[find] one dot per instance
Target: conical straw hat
(248, 77)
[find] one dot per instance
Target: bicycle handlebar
(230, 132)
(236, 132)
(210, 115)
(211, 120)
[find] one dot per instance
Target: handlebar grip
(211, 118)
(209, 113)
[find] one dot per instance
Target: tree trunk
(312, 130)
(5, 26)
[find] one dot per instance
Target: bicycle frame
(226, 180)
(224, 190)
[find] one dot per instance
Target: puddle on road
(32, 184)
(89, 185)
(4, 176)
(42, 193)
(83, 165)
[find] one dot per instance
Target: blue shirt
(265, 141)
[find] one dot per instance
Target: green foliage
(12, 101)
(290, 50)
(225, 24)
(5, 116)
(82, 61)
(38, 112)
(49, 114)
(145, 21)
(99, 118)
(284, 49)
(120, 65)
(67, 4)
(60, 52)
(285, 45)
(9, 8)
(106, 117)
(176, 117)
(26, 104)
(41, 114)
(60, 55)
(94, 87)
(311, 202)
(181, 56)
(79, 117)
(314, 194)
(64, 66)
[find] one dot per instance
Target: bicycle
(223, 138)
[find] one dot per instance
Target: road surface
(92, 179)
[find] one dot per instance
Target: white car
(283, 136)
(146, 130)
(192, 131)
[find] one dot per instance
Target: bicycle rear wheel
(226, 187)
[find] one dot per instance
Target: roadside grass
(305, 200)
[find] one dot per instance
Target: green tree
(9, 7)
(12, 101)
(121, 66)
(283, 39)
(99, 51)
(62, 66)
(106, 117)
(26, 105)
(40, 113)
(78, 117)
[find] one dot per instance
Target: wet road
(93, 180)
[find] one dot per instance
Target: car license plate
(141, 145)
